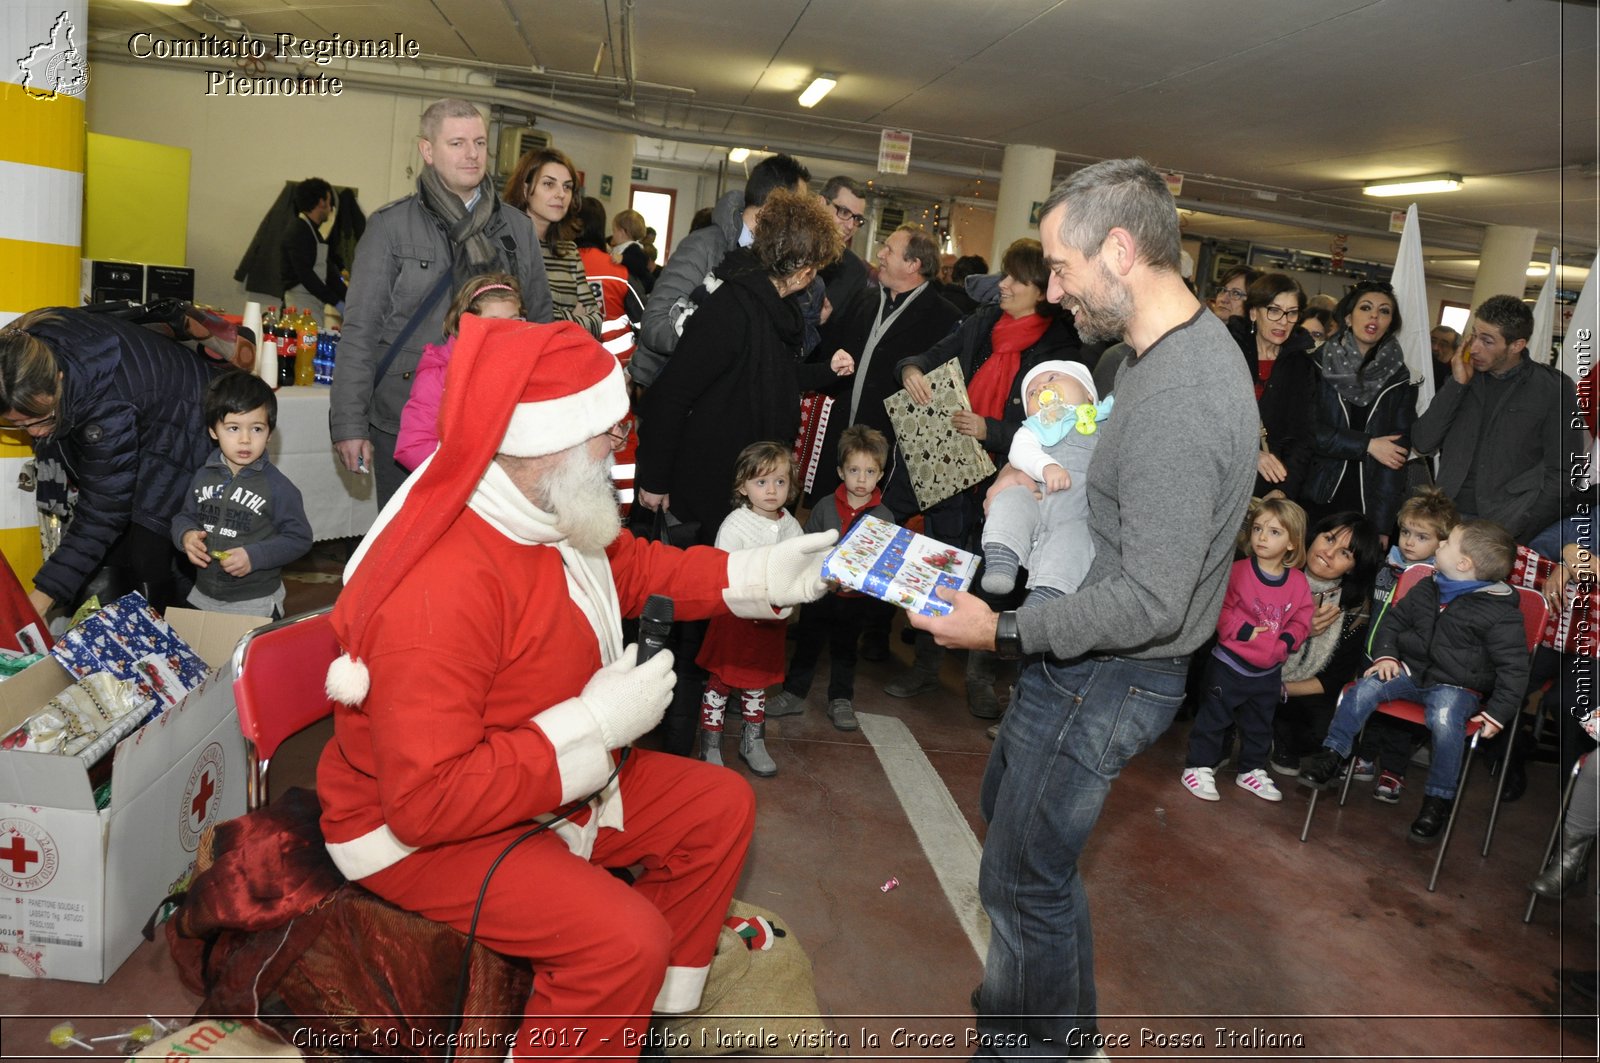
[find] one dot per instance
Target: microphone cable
(464, 974)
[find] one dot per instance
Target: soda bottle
(305, 369)
(288, 347)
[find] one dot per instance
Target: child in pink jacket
(486, 295)
(1266, 613)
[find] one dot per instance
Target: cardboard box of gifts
(77, 883)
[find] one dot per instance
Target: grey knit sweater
(1167, 489)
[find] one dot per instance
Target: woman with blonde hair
(627, 249)
(544, 186)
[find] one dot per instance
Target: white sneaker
(1202, 782)
(1259, 783)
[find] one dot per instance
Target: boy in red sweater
(839, 617)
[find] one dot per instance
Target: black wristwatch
(1007, 639)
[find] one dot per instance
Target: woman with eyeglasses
(1278, 353)
(544, 186)
(1362, 414)
(1227, 302)
(114, 414)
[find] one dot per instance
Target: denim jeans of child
(1449, 709)
(1070, 730)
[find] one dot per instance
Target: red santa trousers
(600, 948)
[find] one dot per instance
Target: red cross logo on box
(202, 798)
(28, 856)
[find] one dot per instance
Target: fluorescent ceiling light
(1416, 186)
(738, 154)
(819, 87)
(1538, 269)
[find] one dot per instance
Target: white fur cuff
(680, 992)
(581, 756)
(747, 594)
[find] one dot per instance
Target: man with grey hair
(1105, 666)
(907, 316)
(846, 278)
(415, 254)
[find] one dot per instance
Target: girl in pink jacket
(487, 295)
(1266, 613)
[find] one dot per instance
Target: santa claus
(485, 687)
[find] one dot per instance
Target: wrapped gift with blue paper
(899, 566)
(128, 639)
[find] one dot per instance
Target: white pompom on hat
(1076, 370)
(512, 388)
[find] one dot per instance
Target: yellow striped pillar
(44, 77)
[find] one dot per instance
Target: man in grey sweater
(1167, 489)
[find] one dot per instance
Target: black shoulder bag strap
(428, 302)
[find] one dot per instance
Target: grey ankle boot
(1570, 867)
(753, 750)
(711, 747)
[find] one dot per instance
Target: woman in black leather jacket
(1361, 419)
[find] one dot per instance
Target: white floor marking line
(942, 830)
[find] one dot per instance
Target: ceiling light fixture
(738, 154)
(1538, 269)
(1416, 186)
(820, 86)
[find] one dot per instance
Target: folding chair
(1532, 606)
(278, 674)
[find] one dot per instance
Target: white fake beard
(579, 493)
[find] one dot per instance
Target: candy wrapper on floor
(130, 641)
(899, 566)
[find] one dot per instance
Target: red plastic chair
(278, 674)
(1532, 606)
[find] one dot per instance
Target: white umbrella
(1544, 314)
(1411, 298)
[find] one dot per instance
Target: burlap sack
(755, 1002)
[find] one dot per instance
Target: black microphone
(655, 624)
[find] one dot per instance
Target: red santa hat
(512, 388)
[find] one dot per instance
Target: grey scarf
(1315, 652)
(1356, 379)
(473, 252)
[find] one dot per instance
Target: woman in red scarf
(995, 346)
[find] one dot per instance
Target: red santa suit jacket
(468, 727)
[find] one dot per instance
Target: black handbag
(659, 525)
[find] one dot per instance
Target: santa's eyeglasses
(619, 433)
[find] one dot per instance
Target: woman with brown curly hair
(544, 186)
(736, 377)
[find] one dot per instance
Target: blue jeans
(1449, 709)
(1069, 731)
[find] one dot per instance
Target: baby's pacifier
(1052, 407)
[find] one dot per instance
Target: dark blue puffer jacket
(130, 434)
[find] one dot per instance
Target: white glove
(627, 700)
(794, 568)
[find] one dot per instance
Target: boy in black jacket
(242, 519)
(1451, 641)
(838, 618)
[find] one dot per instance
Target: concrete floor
(1213, 921)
